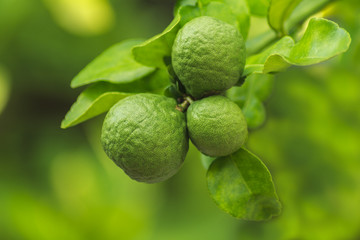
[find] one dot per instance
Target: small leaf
(242, 13)
(220, 11)
(238, 8)
(95, 100)
(322, 40)
(241, 185)
(114, 65)
(262, 85)
(215, 9)
(258, 7)
(152, 52)
(254, 112)
(101, 96)
(255, 63)
(279, 11)
(206, 161)
(257, 88)
(188, 13)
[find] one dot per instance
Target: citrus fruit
(146, 136)
(216, 126)
(208, 56)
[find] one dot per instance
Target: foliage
(322, 40)
(242, 186)
(57, 184)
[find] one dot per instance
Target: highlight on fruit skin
(216, 126)
(146, 136)
(208, 56)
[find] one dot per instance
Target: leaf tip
(63, 124)
(73, 84)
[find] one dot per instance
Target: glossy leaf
(255, 63)
(241, 185)
(258, 7)
(100, 97)
(239, 9)
(279, 11)
(114, 65)
(180, 3)
(220, 11)
(215, 9)
(95, 100)
(322, 40)
(153, 51)
(242, 13)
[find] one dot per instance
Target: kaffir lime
(146, 136)
(208, 56)
(216, 126)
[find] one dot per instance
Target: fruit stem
(189, 99)
(182, 107)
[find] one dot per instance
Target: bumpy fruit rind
(208, 56)
(146, 136)
(216, 126)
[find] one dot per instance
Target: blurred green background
(58, 184)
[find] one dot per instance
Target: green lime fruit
(208, 56)
(216, 126)
(146, 136)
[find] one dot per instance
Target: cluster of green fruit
(147, 135)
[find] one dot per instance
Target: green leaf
(220, 11)
(206, 161)
(259, 85)
(188, 13)
(258, 7)
(242, 13)
(114, 65)
(238, 8)
(255, 63)
(241, 185)
(279, 11)
(180, 3)
(152, 52)
(4, 88)
(254, 112)
(259, 42)
(95, 100)
(249, 97)
(215, 9)
(304, 10)
(101, 96)
(322, 40)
